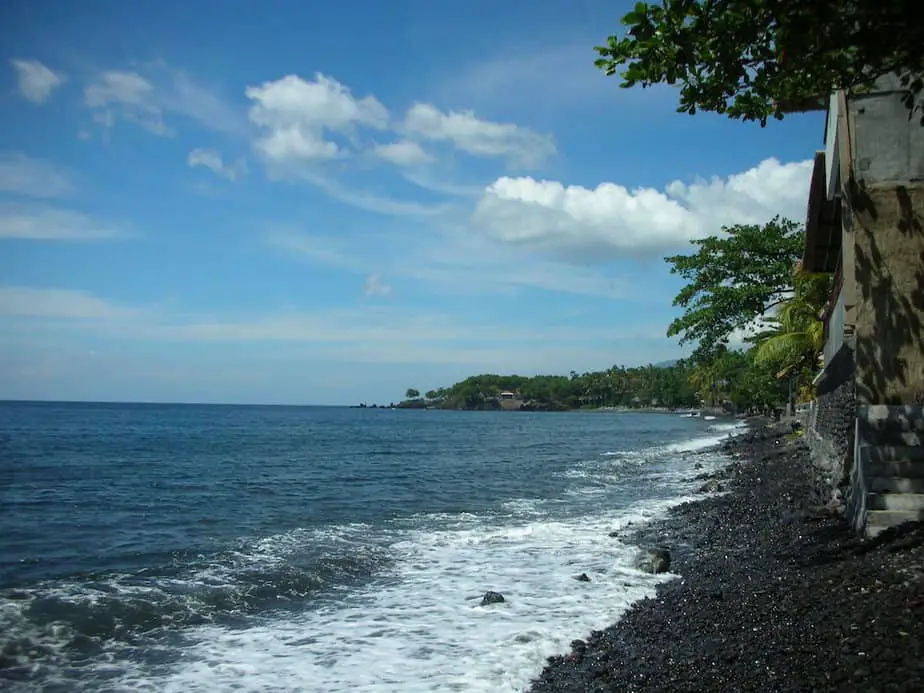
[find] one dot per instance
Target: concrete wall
(887, 145)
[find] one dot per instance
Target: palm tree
(796, 340)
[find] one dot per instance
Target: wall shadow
(894, 294)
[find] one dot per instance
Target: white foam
(422, 628)
(722, 431)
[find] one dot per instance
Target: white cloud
(612, 221)
(211, 159)
(128, 95)
(403, 153)
(24, 175)
(47, 223)
(296, 116)
(375, 286)
(20, 301)
(36, 81)
(478, 137)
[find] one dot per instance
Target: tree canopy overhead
(746, 58)
(733, 279)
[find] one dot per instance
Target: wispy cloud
(118, 94)
(35, 80)
(371, 324)
(375, 286)
(42, 223)
(451, 262)
(25, 175)
(149, 94)
(212, 160)
(21, 301)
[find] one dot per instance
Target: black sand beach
(776, 594)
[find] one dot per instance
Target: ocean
(188, 548)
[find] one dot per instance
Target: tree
(748, 58)
(412, 393)
(797, 337)
(733, 279)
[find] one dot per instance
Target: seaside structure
(865, 225)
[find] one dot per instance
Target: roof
(822, 223)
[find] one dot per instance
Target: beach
(774, 593)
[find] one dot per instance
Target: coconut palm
(796, 338)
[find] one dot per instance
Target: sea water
(221, 548)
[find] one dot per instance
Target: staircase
(887, 479)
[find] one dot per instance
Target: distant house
(865, 226)
(509, 395)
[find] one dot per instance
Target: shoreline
(774, 594)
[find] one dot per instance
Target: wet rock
(492, 598)
(654, 560)
(582, 577)
(711, 486)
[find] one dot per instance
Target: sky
(311, 203)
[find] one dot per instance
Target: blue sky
(296, 202)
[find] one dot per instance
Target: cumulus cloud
(612, 221)
(25, 175)
(35, 80)
(21, 301)
(478, 137)
(211, 159)
(127, 95)
(376, 287)
(297, 117)
(50, 224)
(403, 153)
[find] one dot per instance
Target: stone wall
(830, 431)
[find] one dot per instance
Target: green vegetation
(749, 279)
(746, 277)
(750, 59)
(644, 386)
(733, 279)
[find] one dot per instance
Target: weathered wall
(887, 228)
(887, 144)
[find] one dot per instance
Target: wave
(360, 608)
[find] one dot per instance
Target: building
(865, 225)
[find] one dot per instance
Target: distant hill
(666, 364)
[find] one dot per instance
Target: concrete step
(894, 484)
(879, 520)
(895, 501)
(892, 460)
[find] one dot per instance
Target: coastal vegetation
(751, 314)
(756, 59)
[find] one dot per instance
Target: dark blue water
(143, 546)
